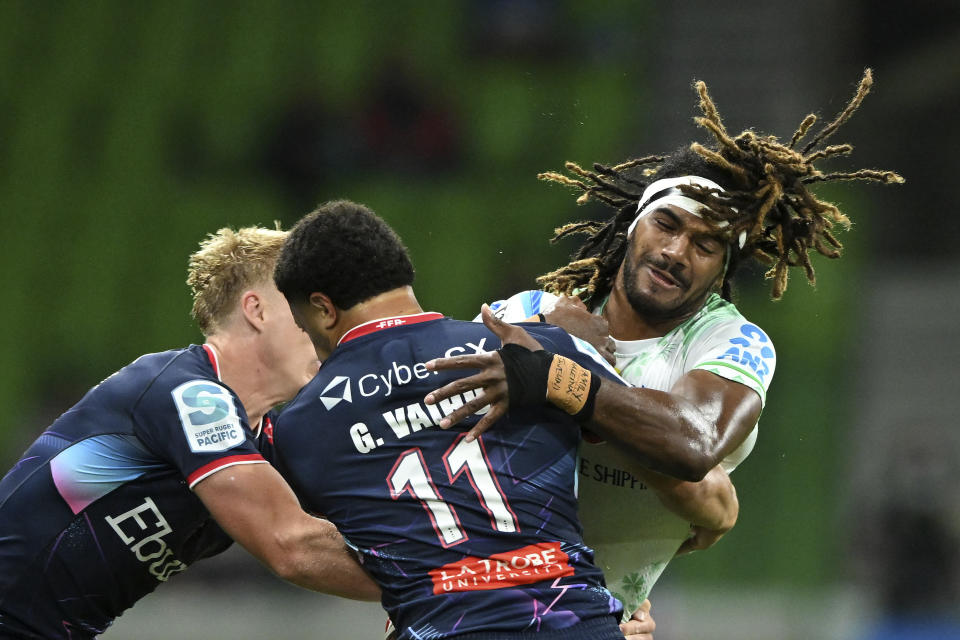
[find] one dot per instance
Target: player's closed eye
(709, 247)
(665, 223)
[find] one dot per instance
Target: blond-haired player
(157, 466)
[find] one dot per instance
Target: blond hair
(227, 263)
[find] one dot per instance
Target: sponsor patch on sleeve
(748, 358)
(208, 416)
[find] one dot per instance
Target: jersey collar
(264, 423)
(212, 356)
(387, 323)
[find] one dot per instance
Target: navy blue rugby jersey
(461, 536)
(99, 510)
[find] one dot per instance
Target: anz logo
(336, 390)
(752, 348)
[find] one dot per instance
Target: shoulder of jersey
(143, 372)
(523, 305)
(719, 313)
(206, 408)
(724, 318)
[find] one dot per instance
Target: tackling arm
(683, 433)
(710, 504)
(253, 504)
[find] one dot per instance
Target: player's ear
(325, 310)
(252, 306)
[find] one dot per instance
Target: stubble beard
(647, 306)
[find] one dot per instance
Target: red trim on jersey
(266, 427)
(212, 356)
(216, 465)
(387, 323)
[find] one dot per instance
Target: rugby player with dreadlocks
(659, 272)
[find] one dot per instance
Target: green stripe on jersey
(706, 366)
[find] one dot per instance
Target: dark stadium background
(128, 130)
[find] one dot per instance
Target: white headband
(668, 193)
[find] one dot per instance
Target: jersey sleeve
(198, 427)
(739, 351)
(522, 306)
(556, 340)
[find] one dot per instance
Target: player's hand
(641, 625)
(700, 538)
(571, 315)
(492, 377)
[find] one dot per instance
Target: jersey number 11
(410, 473)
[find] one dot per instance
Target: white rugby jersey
(633, 534)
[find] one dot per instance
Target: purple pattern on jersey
(461, 536)
(93, 534)
(96, 513)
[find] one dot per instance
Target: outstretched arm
(710, 505)
(683, 433)
(256, 507)
(492, 378)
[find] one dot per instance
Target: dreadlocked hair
(766, 195)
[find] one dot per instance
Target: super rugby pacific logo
(208, 416)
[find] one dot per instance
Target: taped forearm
(538, 377)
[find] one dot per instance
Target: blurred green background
(129, 130)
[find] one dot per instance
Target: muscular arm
(683, 433)
(253, 504)
(710, 504)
